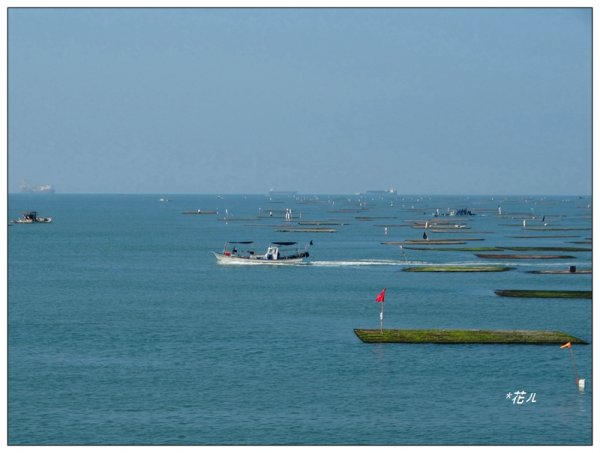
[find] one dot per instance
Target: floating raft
(442, 336)
(306, 230)
(457, 249)
(368, 218)
(544, 236)
(522, 257)
(458, 269)
(199, 212)
(557, 229)
(548, 249)
(321, 222)
(502, 249)
(423, 242)
(453, 230)
(562, 271)
(433, 241)
(390, 225)
(455, 240)
(237, 219)
(442, 228)
(434, 223)
(546, 294)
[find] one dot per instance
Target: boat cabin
(272, 253)
(30, 216)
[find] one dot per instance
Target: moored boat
(32, 217)
(275, 254)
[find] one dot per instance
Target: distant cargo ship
(383, 192)
(289, 193)
(42, 188)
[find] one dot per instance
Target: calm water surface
(124, 330)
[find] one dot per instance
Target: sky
(342, 100)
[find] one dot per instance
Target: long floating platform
(561, 271)
(557, 229)
(442, 336)
(455, 227)
(502, 249)
(523, 257)
(432, 242)
(447, 268)
(442, 241)
(238, 219)
(545, 294)
(306, 230)
(199, 212)
(544, 236)
(321, 222)
(369, 218)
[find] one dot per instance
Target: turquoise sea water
(124, 330)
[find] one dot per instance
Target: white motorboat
(277, 253)
(32, 217)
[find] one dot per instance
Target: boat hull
(32, 217)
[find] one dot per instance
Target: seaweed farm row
(548, 239)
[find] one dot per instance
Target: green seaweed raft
(447, 268)
(442, 336)
(546, 294)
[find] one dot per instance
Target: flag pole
(381, 318)
(580, 383)
(574, 367)
(381, 299)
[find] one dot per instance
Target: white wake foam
(356, 263)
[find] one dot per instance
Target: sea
(124, 330)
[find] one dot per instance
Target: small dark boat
(32, 217)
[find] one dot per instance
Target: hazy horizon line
(299, 193)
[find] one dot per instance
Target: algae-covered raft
(443, 336)
(561, 271)
(446, 268)
(546, 294)
(522, 257)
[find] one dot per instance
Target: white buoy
(581, 385)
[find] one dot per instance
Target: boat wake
(358, 263)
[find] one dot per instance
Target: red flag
(566, 345)
(381, 296)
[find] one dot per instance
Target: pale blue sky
(429, 101)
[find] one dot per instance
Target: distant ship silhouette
(41, 188)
